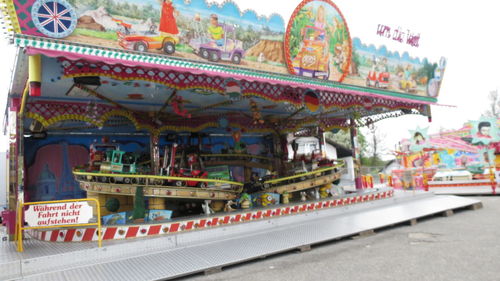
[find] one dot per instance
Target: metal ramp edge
(189, 253)
(465, 190)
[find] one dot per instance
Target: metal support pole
(154, 146)
(356, 155)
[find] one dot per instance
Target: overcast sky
(466, 33)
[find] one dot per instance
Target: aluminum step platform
(211, 249)
(465, 190)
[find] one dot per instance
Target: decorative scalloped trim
(242, 12)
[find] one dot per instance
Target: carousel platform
(209, 250)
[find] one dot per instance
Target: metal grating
(153, 259)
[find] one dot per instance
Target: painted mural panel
(50, 176)
(316, 42)
(192, 30)
(381, 68)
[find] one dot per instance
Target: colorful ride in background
(459, 161)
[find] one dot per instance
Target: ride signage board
(68, 213)
(314, 42)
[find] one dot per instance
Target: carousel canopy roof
(192, 65)
(158, 93)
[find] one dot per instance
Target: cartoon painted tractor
(229, 50)
(313, 59)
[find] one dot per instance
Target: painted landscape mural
(316, 42)
(194, 30)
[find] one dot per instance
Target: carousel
(182, 123)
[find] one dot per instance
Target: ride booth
(182, 122)
(461, 161)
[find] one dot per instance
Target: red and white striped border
(471, 184)
(136, 231)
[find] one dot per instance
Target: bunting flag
(311, 101)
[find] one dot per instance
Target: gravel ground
(464, 246)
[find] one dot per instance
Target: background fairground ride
(463, 161)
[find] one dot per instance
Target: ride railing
(237, 155)
(335, 167)
(150, 179)
(56, 214)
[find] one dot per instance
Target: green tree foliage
(427, 71)
(339, 36)
(139, 204)
(363, 145)
(341, 137)
(123, 9)
(356, 60)
(368, 158)
(302, 19)
(112, 204)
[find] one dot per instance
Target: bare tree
(494, 105)
(376, 147)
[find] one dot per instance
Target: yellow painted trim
(35, 68)
(10, 15)
(155, 177)
(307, 174)
(24, 99)
(238, 155)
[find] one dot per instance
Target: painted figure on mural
(483, 130)
(419, 138)
(197, 26)
(321, 23)
(168, 22)
(215, 30)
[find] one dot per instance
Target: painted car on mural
(142, 42)
(226, 49)
(313, 59)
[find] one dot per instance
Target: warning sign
(58, 214)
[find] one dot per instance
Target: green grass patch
(251, 58)
(183, 48)
(108, 35)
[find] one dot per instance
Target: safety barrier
(53, 220)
